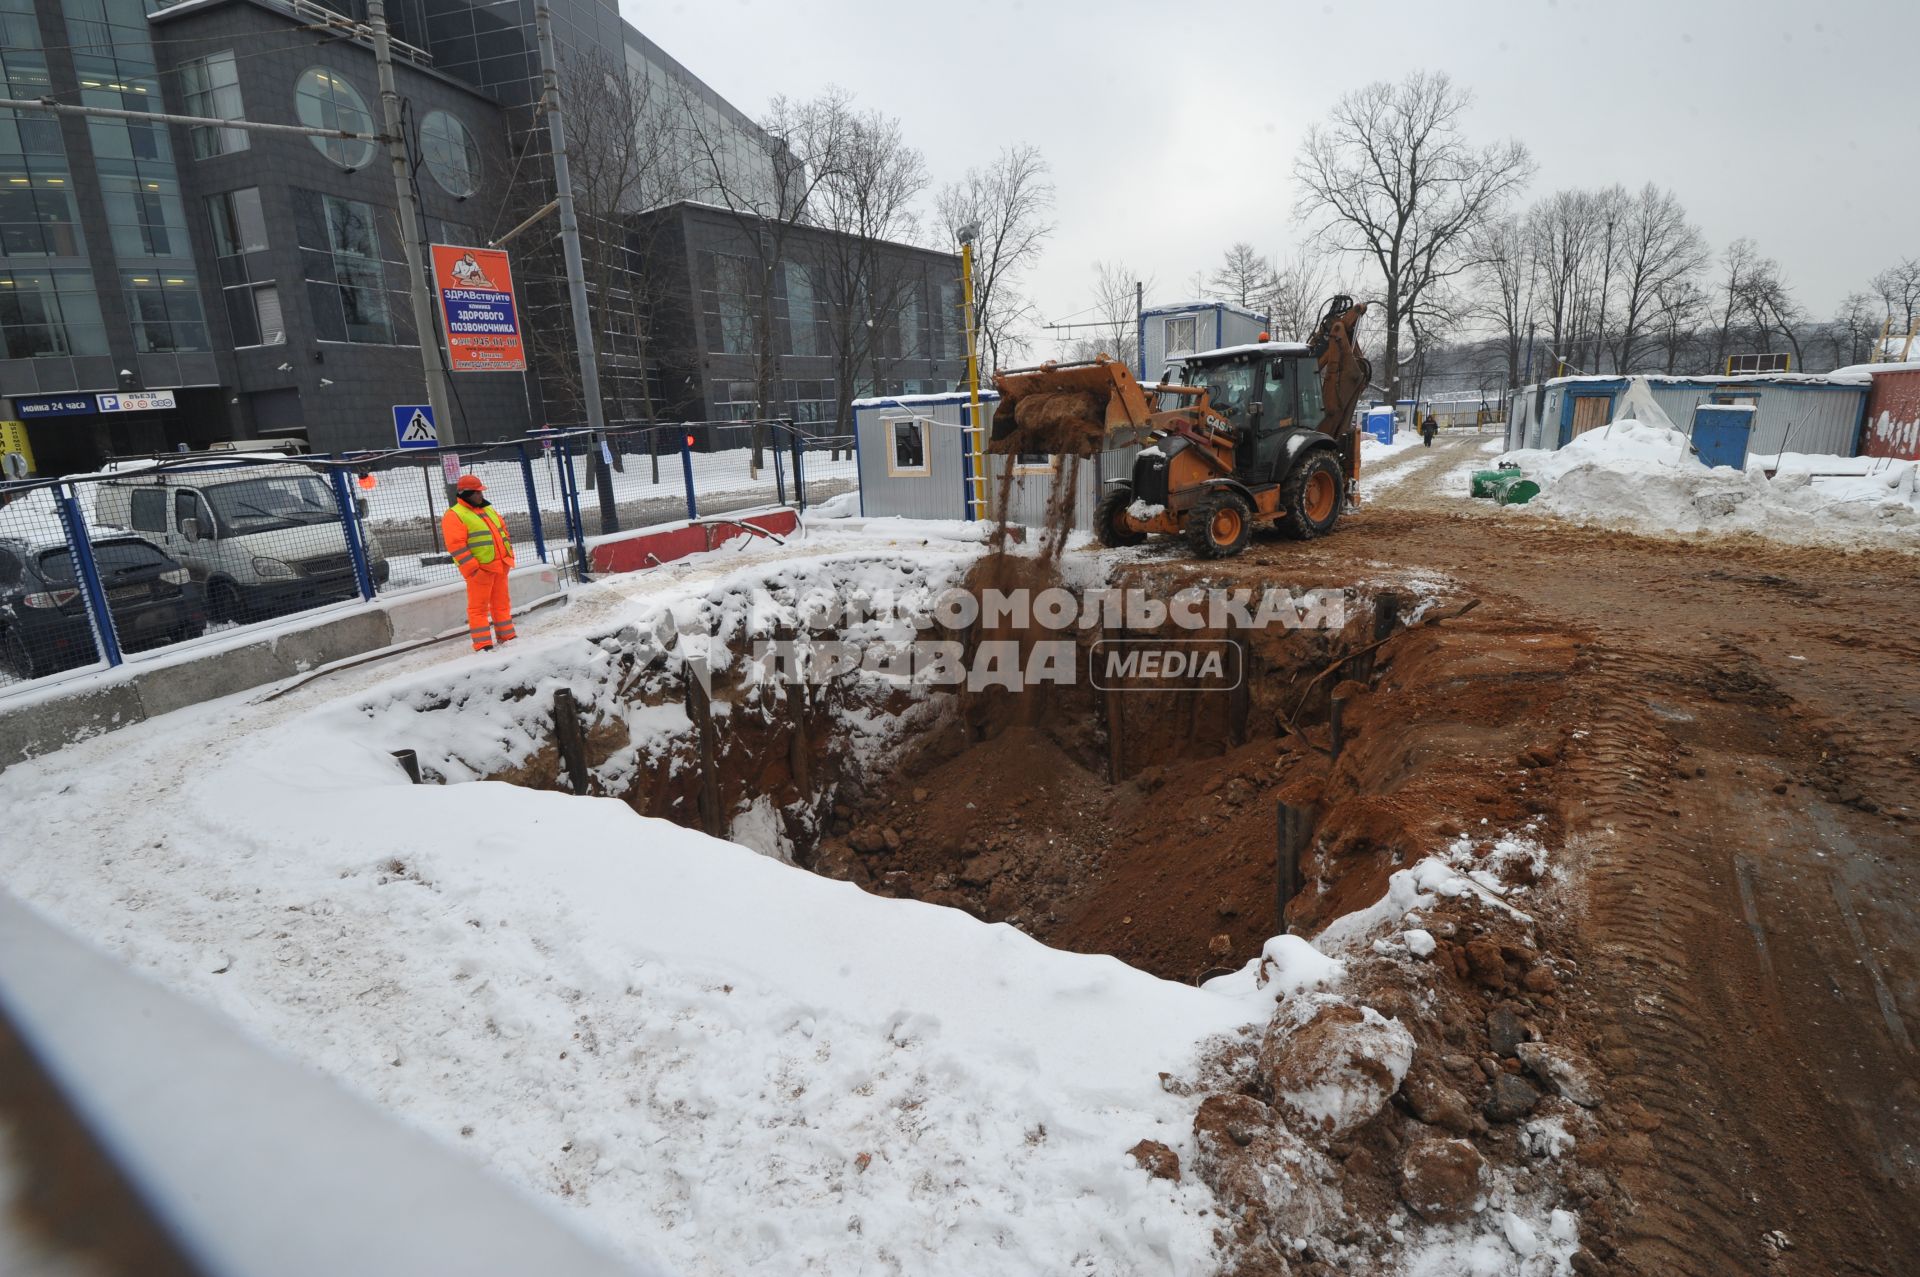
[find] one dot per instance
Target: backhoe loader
(1258, 434)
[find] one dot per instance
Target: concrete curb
(136, 692)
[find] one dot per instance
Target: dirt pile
(1062, 422)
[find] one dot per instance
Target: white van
(262, 540)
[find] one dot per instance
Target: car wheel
(223, 602)
(18, 656)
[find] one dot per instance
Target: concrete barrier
(43, 719)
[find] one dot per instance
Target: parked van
(261, 540)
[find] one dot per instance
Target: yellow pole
(979, 429)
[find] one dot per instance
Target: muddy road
(1742, 797)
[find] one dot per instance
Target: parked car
(43, 618)
(261, 540)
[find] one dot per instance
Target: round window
(451, 156)
(325, 100)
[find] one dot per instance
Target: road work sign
(476, 298)
(413, 426)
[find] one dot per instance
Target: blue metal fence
(163, 550)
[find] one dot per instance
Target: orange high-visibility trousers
(489, 607)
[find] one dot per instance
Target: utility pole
(410, 245)
(576, 273)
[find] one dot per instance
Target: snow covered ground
(723, 1062)
(1646, 478)
(718, 1061)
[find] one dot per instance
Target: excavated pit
(1142, 822)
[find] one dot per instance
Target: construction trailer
(1893, 410)
(1793, 412)
(916, 462)
(1168, 333)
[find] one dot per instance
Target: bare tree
(1682, 305)
(1768, 302)
(1654, 247)
(867, 293)
(1738, 260)
(1245, 278)
(1853, 329)
(1116, 314)
(808, 142)
(1572, 238)
(1009, 205)
(1301, 286)
(1507, 275)
(1898, 287)
(625, 157)
(1391, 178)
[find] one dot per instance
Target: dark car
(43, 615)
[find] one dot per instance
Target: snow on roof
(1870, 370)
(1839, 377)
(1174, 308)
(1248, 348)
(908, 401)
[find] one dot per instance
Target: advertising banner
(476, 297)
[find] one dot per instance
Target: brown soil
(1717, 742)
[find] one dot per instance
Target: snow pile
(1648, 479)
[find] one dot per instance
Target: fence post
(686, 468)
(779, 472)
(350, 529)
(89, 574)
(533, 502)
(859, 476)
(570, 493)
(799, 469)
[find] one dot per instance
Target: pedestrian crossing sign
(413, 426)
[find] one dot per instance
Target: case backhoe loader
(1259, 434)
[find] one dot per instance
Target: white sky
(1171, 128)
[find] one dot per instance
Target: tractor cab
(1261, 390)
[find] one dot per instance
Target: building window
(324, 99)
(49, 313)
(165, 310)
(450, 153)
(254, 313)
(807, 325)
(908, 320)
(144, 215)
(212, 88)
(953, 322)
(238, 225)
(1182, 335)
(907, 453)
(729, 291)
(37, 213)
(345, 275)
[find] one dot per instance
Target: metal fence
(150, 553)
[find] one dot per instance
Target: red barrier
(652, 547)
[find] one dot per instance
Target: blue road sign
(413, 426)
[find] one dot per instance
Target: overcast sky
(1171, 127)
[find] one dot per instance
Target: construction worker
(1428, 429)
(477, 538)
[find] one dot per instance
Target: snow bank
(1648, 479)
(720, 1062)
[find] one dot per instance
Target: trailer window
(908, 454)
(1182, 334)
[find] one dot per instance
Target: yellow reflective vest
(476, 536)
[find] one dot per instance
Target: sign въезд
(476, 299)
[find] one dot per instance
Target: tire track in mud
(1695, 1024)
(1644, 904)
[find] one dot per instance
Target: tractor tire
(1106, 522)
(1221, 525)
(1313, 496)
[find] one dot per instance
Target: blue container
(1380, 424)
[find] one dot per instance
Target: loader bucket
(1064, 409)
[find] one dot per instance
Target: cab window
(1276, 394)
(1311, 406)
(186, 505)
(149, 510)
